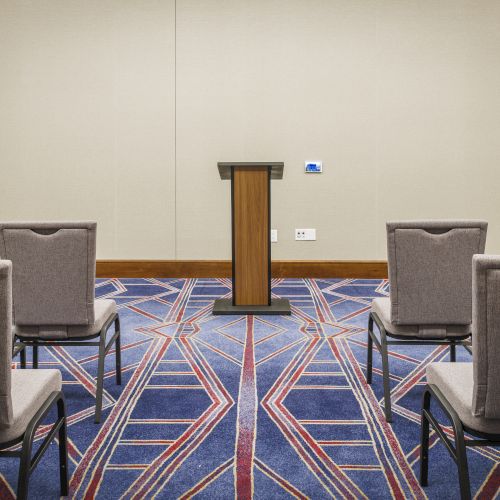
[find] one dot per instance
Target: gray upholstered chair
(26, 397)
(53, 290)
(469, 393)
(430, 289)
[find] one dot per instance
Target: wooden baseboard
(222, 269)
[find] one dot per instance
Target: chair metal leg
(35, 356)
(118, 355)
(453, 352)
(369, 360)
(457, 452)
(100, 377)
(22, 356)
(19, 348)
(103, 351)
(382, 348)
(463, 468)
(27, 462)
(24, 468)
(63, 449)
(385, 374)
(424, 441)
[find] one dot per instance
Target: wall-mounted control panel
(274, 236)
(313, 167)
(305, 234)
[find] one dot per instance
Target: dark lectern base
(278, 306)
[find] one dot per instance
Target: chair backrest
(53, 271)
(430, 270)
(5, 343)
(486, 335)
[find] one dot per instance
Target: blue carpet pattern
(258, 407)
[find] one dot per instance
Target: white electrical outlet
(305, 234)
(274, 236)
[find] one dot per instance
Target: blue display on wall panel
(314, 167)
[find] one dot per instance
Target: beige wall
(87, 122)
(119, 111)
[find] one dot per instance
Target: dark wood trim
(269, 251)
(329, 269)
(233, 250)
(222, 269)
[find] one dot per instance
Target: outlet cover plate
(305, 234)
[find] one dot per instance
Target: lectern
(251, 239)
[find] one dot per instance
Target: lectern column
(251, 236)
(251, 239)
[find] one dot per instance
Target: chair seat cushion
(456, 382)
(103, 310)
(382, 307)
(30, 389)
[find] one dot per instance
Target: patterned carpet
(263, 407)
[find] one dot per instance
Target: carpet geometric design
(249, 407)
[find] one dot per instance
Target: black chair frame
(19, 348)
(27, 462)
(103, 351)
(382, 349)
(457, 452)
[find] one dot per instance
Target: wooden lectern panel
(251, 233)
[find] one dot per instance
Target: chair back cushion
(6, 416)
(53, 271)
(486, 336)
(430, 270)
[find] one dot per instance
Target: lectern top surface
(276, 167)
